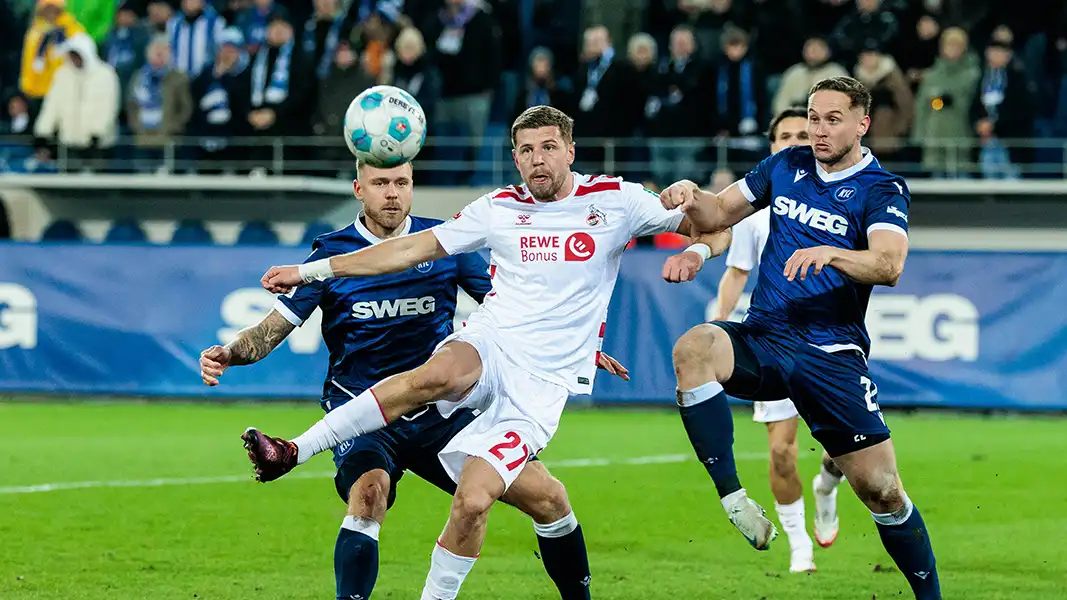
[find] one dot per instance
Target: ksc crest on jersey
(595, 216)
(424, 267)
(845, 194)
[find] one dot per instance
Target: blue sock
(566, 561)
(710, 425)
(905, 537)
(355, 558)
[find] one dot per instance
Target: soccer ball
(385, 126)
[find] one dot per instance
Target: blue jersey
(379, 326)
(810, 207)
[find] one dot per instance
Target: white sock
(558, 528)
(733, 498)
(368, 527)
(826, 481)
(791, 516)
(356, 417)
(447, 572)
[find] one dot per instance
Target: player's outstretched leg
(872, 472)
(789, 493)
(446, 375)
(355, 556)
(703, 358)
(460, 543)
(824, 487)
(559, 536)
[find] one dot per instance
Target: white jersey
(554, 266)
(749, 238)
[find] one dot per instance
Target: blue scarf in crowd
(149, 96)
(256, 33)
(994, 83)
(276, 90)
(747, 90)
(329, 46)
(120, 48)
(194, 44)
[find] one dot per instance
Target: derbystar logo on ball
(385, 127)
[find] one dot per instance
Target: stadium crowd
(953, 82)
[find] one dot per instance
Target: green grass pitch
(991, 490)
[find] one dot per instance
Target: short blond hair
(537, 117)
(410, 35)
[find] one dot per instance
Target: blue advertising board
(962, 329)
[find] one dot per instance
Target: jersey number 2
(513, 442)
(871, 392)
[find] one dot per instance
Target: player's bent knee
(696, 346)
(471, 504)
(881, 494)
(448, 373)
(548, 506)
(369, 494)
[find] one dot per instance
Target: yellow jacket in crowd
(42, 53)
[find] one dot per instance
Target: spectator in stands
(19, 120)
(82, 105)
(798, 79)
(640, 105)
(541, 87)
(220, 97)
(415, 73)
(125, 48)
(466, 46)
(741, 103)
(323, 33)
(194, 34)
(869, 22)
(253, 22)
(598, 85)
(918, 49)
(345, 81)
(778, 29)
(375, 45)
(682, 98)
(42, 52)
(280, 81)
(160, 12)
(159, 104)
(942, 105)
(1002, 109)
(892, 103)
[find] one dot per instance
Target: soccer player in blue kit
(839, 226)
(375, 327)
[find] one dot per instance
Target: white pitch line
(169, 481)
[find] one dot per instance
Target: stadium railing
(489, 162)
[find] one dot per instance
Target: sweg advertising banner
(977, 329)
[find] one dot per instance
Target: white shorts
(773, 411)
(520, 412)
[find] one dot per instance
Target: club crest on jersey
(595, 217)
(844, 194)
(523, 220)
(424, 267)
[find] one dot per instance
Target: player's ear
(864, 125)
(570, 154)
(357, 190)
(515, 157)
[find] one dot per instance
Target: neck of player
(381, 232)
(847, 161)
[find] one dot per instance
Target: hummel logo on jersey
(813, 217)
(800, 175)
(522, 220)
(401, 307)
(896, 211)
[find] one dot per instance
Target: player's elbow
(894, 270)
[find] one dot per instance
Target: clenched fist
(281, 280)
(213, 362)
(682, 267)
(679, 195)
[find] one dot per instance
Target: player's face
(833, 126)
(544, 160)
(791, 131)
(386, 194)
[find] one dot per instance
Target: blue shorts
(410, 443)
(833, 392)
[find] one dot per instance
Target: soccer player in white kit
(556, 244)
(789, 128)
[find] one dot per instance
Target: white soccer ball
(385, 126)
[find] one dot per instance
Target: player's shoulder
(607, 189)
(880, 182)
(423, 223)
(793, 157)
(340, 241)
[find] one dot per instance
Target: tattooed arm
(252, 344)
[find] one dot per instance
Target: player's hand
(682, 267)
(679, 195)
(213, 362)
(613, 366)
(806, 258)
(281, 280)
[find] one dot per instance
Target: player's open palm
(213, 362)
(682, 267)
(281, 280)
(679, 194)
(612, 366)
(804, 259)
